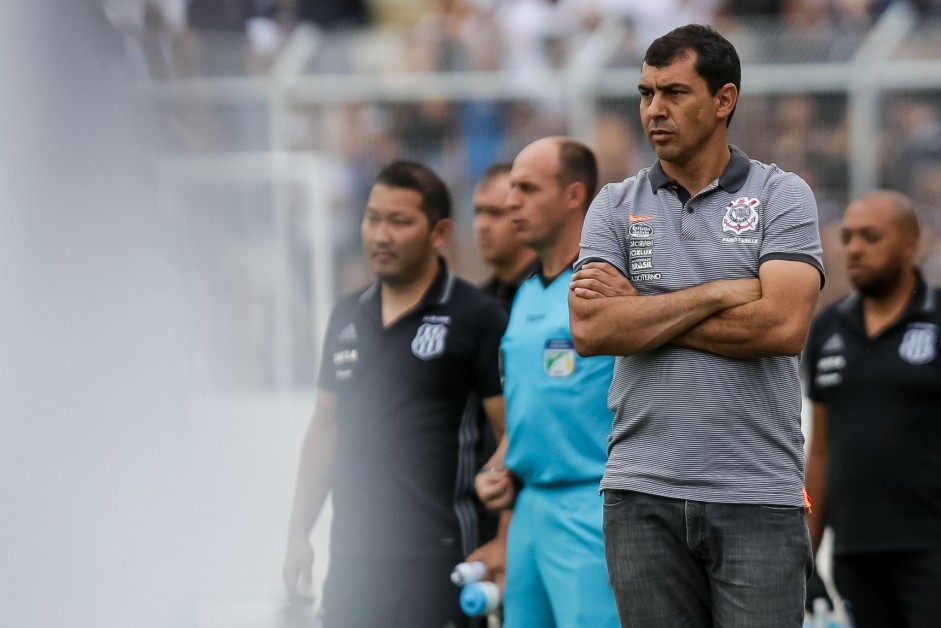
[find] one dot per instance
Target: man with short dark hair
(394, 431)
(701, 275)
(873, 364)
(510, 260)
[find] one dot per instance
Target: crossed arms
(733, 318)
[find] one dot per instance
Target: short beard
(880, 285)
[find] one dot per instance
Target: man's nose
(381, 231)
(853, 247)
(513, 201)
(656, 108)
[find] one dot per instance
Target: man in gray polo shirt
(701, 274)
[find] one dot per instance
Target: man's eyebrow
(674, 85)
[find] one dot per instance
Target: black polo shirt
(406, 432)
(883, 401)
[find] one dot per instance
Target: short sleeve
(600, 241)
(491, 325)
(326, 377)
(791, 230)
(809, 361)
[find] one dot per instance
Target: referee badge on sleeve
(558, 357)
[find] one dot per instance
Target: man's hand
(495, 487)
(297, 571)
(816, 589)
(595, 280)
(493, 555)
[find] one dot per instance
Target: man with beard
(874, 375)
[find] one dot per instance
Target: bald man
(550, 462)
(874, 375)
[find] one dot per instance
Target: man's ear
(726, 99)
(441, 232)
(575, 195)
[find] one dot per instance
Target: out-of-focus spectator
(752, 8)
(775, 31)
(648, 20)
(926, 195)
(534, 32)
(219, 29)
(510, 261)
(807, 143)
(618, 152)
(461, 35)
(165, 45)
(912, 135)
(218, 15)
(332, 13)
(873, 374)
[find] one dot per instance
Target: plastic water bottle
(465, 573)
(820, 618)
(821, 613)
(480, 598)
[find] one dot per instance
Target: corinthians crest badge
(740, 215)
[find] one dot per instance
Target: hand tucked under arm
(600, 279)
(776, 324)
(610, 318)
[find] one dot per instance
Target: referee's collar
(438, 293)
(731, 180)
(538, 270)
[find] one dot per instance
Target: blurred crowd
(189, 37)
(527, 40)
(197, 38)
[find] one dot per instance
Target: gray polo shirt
(689, 424)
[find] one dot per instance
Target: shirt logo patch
(919, 346)
(429, 341)
(639, 217)
(640, 230)
(558, 358)
(740, 215)
(347, 356)
(348, 333)
(834, 344)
